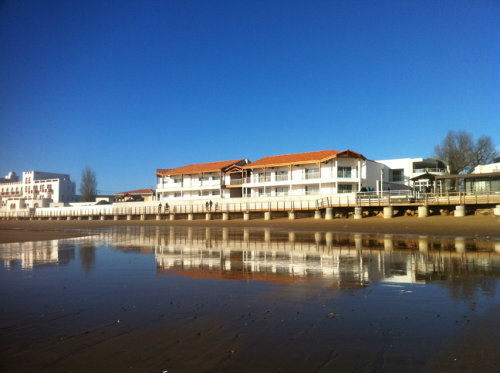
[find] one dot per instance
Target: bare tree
(88, 185)
(462, 153)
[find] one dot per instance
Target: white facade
(337, 175)
(37, 189)
(398, 173)
(487, 168)
(191, 186)
(202, 181)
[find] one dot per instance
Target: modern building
(412, 173)
(318, 172)
(484, 179)
(202, 180)
(36, 189)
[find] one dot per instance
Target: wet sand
(468, 226)
(129, 322)
(233, 333)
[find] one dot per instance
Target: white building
(202, 180)
(417, 173)
(487, 168)
(319, 172)
(35, 189)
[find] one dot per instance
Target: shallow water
(224, 299)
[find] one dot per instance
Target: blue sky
(130, 86)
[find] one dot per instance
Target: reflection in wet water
(344, 260)
(280, 300)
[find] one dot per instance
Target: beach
(468, 226)
(114, 308)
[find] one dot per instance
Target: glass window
(281, 175)
(312, 173)
(312, 189)
(345, 188)
(396, 175)
(282, 191)
(344, 172)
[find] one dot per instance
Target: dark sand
(468, 226)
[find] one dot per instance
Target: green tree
(88, 185)
(462, 154)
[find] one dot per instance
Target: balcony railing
(236, 182)
(424, 170)
(312, 175)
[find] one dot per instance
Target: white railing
(424, 170)
(402, 198)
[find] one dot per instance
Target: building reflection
(32, 254)
(344, 260)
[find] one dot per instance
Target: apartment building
(412, 173)
(318, 172)
(201, 181)
(36, 189)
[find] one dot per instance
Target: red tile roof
(302, 158)
(198, 168)
(138, 191)
(298, 158)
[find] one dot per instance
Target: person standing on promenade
(159, 208)
(210, 205)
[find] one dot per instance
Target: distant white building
(35, 189)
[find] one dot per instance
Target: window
(281, 175)
(312, 173)
(177, 194)
(261, 192)
(216, 193)
(177, 180)
(282, 191)
(345, 188)
(396, 175)
(312, 189)
(205, 193)
(344, 172)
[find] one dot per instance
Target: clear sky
(127, 87)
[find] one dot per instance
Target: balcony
(430, 170)
(311, 175)
(281, 177)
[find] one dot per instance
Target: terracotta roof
(348, 153)
(198, 168)
(298, 158)
(302, 158)
(138, 191)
